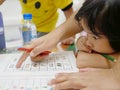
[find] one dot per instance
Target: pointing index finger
(22, 59)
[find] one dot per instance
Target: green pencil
(109, 57)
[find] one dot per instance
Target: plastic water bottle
(28, 29)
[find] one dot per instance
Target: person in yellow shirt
(45, 15)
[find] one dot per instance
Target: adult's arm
(69, 28)
(49, 41)
(68, 12)
(65, 30)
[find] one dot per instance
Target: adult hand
(39, 45)
(34, 59)
(95, 79)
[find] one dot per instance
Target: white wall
(11, 11)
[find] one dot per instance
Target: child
(103, 36)
(95, 52)
(45, 14)
(100, 48)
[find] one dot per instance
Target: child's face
(95, 43)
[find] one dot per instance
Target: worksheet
(31, 75)
(24, 83)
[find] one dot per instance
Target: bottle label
(26, 36)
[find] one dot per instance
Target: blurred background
(11, 11)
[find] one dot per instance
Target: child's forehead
(96, 31)
(89, 32)
(93, 34)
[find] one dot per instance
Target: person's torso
(44, 12)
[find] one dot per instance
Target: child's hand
(81, 44)
(68, 41)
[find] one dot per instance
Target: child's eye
(95, 37)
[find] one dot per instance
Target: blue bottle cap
(27, 16)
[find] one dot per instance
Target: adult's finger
(22, 59)
(66, 81)
(67, 85)
(57, 80)
(62, 86)
(38, 58)
(90, 88)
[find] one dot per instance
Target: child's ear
(1, 1)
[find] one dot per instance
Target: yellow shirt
(44, 12)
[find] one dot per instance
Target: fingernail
(32, 54)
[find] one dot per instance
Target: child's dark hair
(105, 16)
